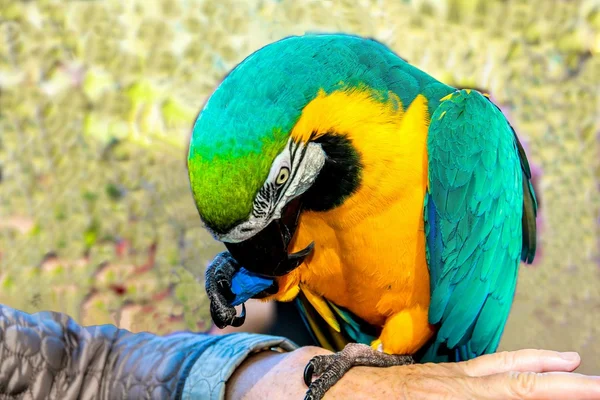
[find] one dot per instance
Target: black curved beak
(266, 253)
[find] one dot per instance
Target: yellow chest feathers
(370, 251)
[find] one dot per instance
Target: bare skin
(523, 374)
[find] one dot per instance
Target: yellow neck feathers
(381, 224)
(389, 138)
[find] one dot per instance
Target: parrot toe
(316, 367)
(330, 369)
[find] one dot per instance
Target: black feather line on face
(339, 177)
(295, 146)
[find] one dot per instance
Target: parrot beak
(266, 253)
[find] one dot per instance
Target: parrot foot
(218, 288)
(331, 369)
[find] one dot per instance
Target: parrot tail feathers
(355, 328)
(332, 335)
(322, 333)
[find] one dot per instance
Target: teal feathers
(248, 119)
(473, 215)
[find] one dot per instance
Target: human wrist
(216, 364)
(273, 374)
(250, 371)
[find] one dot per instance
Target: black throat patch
(339, 177)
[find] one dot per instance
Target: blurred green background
(97, 99)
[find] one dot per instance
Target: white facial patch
(293, 171)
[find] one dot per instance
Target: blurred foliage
(96, 103)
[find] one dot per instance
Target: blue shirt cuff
(217, 362)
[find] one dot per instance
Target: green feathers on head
(248, 119)
(224, 185)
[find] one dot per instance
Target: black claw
(239, 320)
(308, 373)
(226, 315)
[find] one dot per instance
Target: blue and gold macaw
(394, 209)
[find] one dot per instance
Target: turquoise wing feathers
(479, 220)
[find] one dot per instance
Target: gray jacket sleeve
(48, 355)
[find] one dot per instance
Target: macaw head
(255, 163)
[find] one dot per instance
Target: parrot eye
(282, 177)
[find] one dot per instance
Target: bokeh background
(97, 99)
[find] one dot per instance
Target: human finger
(534, 386)
(529, 360)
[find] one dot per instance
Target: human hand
(523, 374)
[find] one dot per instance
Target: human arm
(523, 374)
(48, 355)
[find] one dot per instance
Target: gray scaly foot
(218, 288)
(330, 369)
